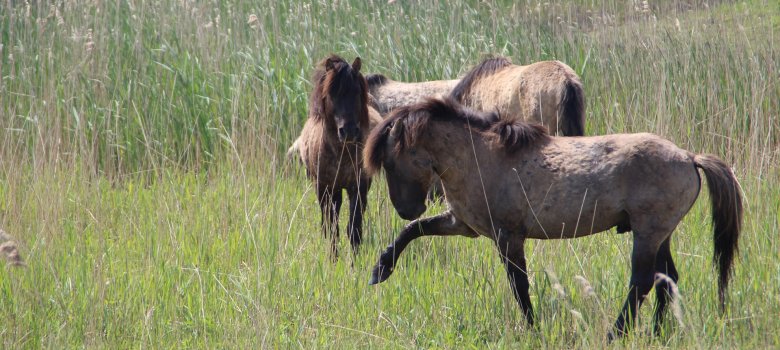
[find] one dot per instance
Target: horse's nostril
(348, 132)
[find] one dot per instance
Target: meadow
(142, 173)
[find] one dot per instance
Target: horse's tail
(293, 153)
(572, 118)
(726, 216)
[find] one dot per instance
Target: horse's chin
(350, 141)
(412, 214)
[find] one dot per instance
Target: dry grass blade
(9, 250)
(587, 289)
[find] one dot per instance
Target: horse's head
(408, 167)
(408, 147)
(340, 97)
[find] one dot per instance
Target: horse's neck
(454, 150)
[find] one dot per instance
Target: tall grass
(141, 152)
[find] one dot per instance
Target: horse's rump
(547, 92)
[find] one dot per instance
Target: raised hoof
(380, 274)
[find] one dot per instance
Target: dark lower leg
(330, 204)
(663, 291)
(642, 273)
(357, 207)
(511, 250)
(441, 225)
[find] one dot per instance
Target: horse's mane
(332, 75)
(488, 67)
(413, 120)
(376, 80)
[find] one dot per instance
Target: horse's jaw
(413, 213)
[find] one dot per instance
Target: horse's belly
(559, 226)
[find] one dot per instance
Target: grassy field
(142, 173)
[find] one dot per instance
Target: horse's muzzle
(349, 133)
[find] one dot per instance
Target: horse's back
(533, 92)
(394, 94)
(585, 185)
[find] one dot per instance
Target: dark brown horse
(512, 181)
(331, 144)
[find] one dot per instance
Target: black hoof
(614, 335)
(610, 337)
(380, 274)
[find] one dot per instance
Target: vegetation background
(142, 173)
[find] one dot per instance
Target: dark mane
(413, 120)
(333, 76)
(488, 67)
(376, 80)
(514, 136)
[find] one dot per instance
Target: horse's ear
(330, 63)
(494, 116)
(356, 64)
(396, 129)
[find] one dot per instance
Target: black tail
(572, 118)
(726, 216)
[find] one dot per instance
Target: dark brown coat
(331, 144)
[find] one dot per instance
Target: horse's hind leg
(513, 256)
(357, 207)
(642, 276)
(330, 204)
(663, 291)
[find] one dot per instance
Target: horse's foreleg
(330, 204)
(513, 256)
(663, 291)
(642, 276)
(441, 225)
(357, 207)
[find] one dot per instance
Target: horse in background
(511, 181)
(387, 94)
(547, 92)
(331, 144)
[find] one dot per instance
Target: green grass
(142, 172)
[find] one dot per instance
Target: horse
(331, 142)
(387, 94)
(547, 92)
(511, 181)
